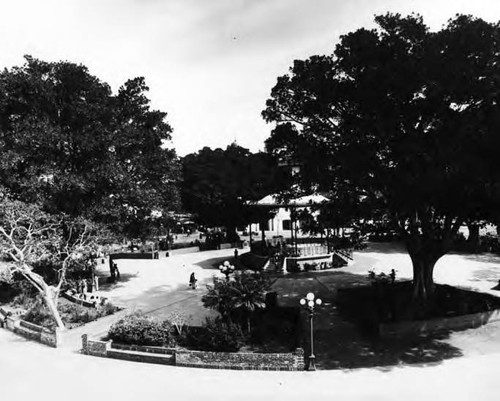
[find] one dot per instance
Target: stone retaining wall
(31, 331)
(133, 255)
(199, 359)
(95, 347)
(241, 361)
(144, 348)
(182, 251)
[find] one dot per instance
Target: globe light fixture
(226, 268)
(309, 303)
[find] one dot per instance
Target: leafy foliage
(30, 237)
(405, 122)
(216, 335)
(139, 329)
(68, 143)
(217, 183)
(238, 298)
(72, 314)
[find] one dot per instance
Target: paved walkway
(155, 287)
(29, 370)
(33, 371)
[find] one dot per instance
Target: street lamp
(309, 303)
(226, 269)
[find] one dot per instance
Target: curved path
(30, 370)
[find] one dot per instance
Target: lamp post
(226, 268)
(309, 302)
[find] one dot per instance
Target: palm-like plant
(246, 293)
(219, 297)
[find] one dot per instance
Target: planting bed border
(293, 361)
(29, 330)
(435, 326)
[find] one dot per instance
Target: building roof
(308, 200)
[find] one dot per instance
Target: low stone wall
(95, 347)
(31, 331)
(427, 327)
(241, 361)
(182, 251)
(199, 359)
(144, 348)
(79, 301)
(133, 255)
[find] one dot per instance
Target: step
(139, 356)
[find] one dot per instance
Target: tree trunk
(424, 253)
(473, 239)
(232, 235)
(423, 279)
(53, 309)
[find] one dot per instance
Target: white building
(281, 224)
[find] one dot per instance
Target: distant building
(282, 224)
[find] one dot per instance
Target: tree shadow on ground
(213, 263)
(384, 247)
(105, 285)
(359, 352)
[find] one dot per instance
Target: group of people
(84, 286)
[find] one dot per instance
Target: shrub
(238, 298)
(39, 314)
(72, 314)
(77, 314)
(139, 329)
(179, 321)
(107, 309)
(215, 335)
(382, 278)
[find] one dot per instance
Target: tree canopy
(69, 143)
(404, 116)
(30, 236)
(217, 184)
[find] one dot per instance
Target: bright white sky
(210, 64)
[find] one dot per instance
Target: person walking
(192, 281)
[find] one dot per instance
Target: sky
(210, 64)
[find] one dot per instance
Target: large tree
(69, 143)
(29, 236)
(217, 184)
(404, 116)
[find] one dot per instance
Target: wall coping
(31, 331)
(103, 348)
